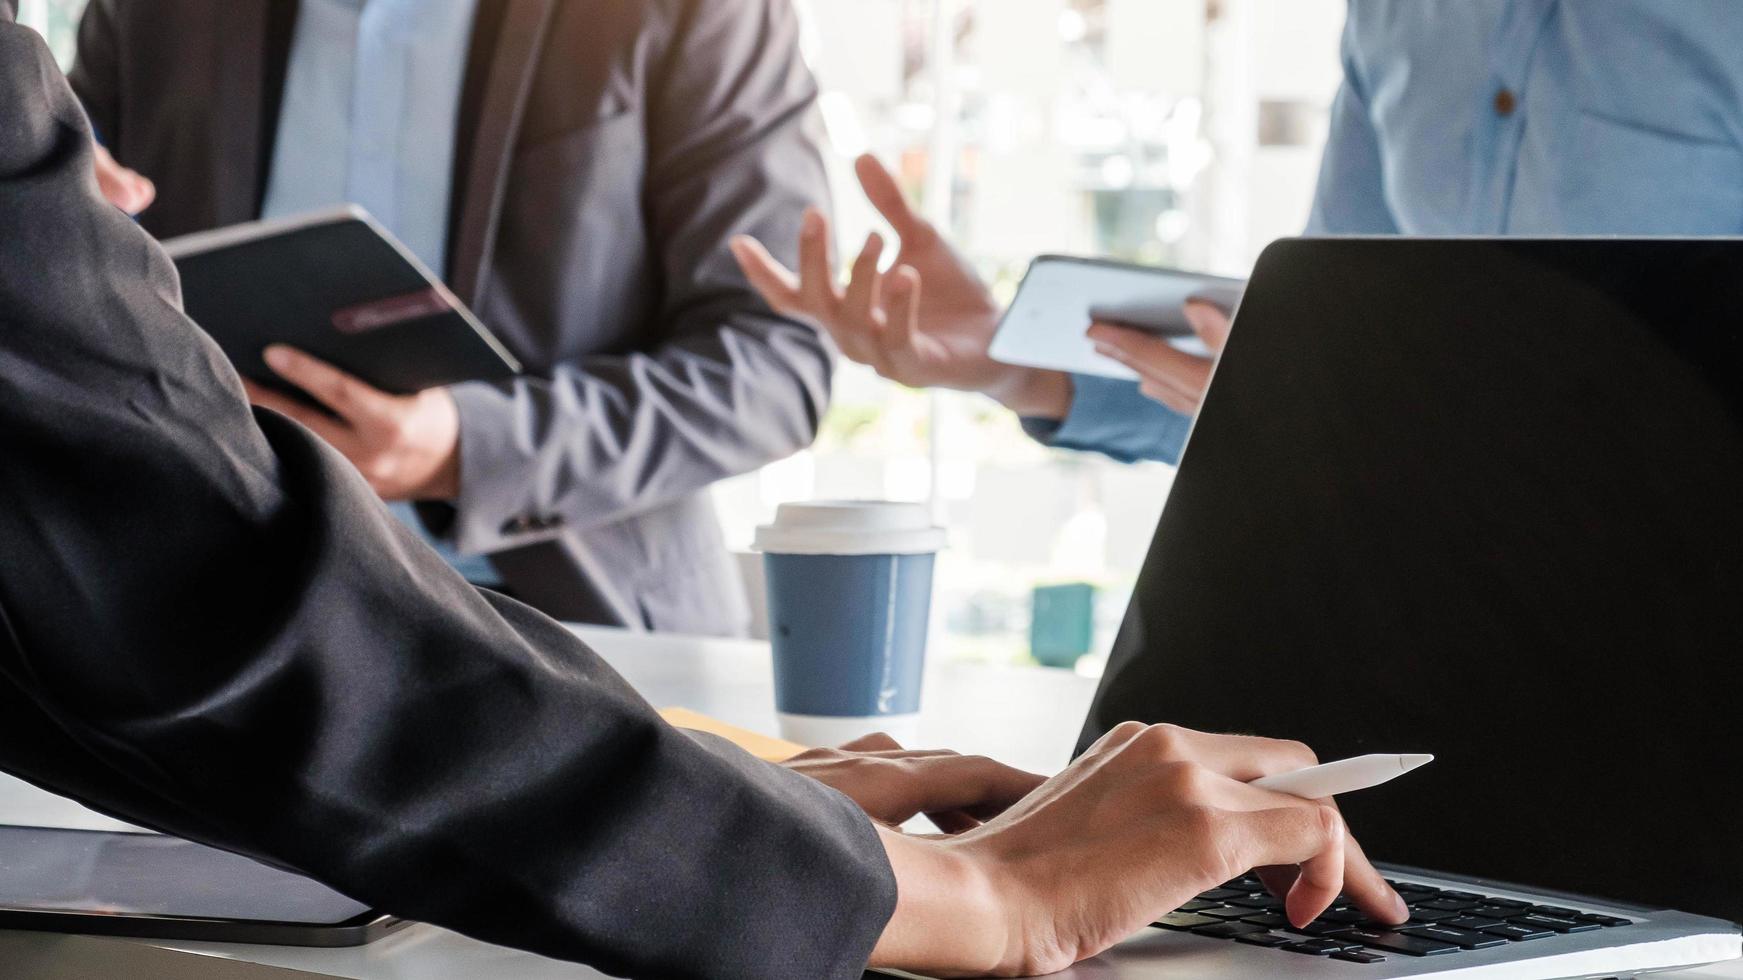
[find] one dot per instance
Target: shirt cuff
(1112, 417)
(495, 509)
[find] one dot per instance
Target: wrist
(443, 486)
(949, 918)
(441, 481)
(1035, 393)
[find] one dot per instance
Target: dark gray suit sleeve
(209, 625)
(732, 386)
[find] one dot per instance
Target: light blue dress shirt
(1506, 117)
(371, 100)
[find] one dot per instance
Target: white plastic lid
(850, 527)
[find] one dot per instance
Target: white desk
(1028, 718)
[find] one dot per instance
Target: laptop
(1484, 499)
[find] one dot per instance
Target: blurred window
(1178, 132)
(57, 20)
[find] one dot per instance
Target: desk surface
(1027, 717)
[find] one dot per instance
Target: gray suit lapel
(239, 93)
(508, 82)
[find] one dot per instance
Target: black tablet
(157, 887)
(336, 285)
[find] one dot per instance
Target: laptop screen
(1482, 499)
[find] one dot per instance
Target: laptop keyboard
(1442, 921)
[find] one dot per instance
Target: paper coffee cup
(850, 600)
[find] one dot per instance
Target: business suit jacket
(609, 149)
(211, 626)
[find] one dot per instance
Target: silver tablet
(156, 887)
(1062, 295)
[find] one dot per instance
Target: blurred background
(1178, 132)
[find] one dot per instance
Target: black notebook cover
(337, 286)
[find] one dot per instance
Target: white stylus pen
(1345, 776)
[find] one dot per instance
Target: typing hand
(927, 323)
(893, 785)
(1165, 372)
(1148, 818)
(407, 447)
(123, 188)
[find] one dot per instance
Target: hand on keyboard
(893, 785)
(1148, 818)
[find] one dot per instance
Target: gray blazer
(609, 149)
(211, 626)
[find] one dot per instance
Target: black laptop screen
(1484, 500)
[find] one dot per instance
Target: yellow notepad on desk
(764, 747)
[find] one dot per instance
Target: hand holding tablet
(1062, 295)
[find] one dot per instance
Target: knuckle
(1200, 823)
(1119, 739)
(859, 770)
(1129, 729)
(1299, 753)
(1165, 742)
(1330, 822)
(973, 763)
(1183, 780)
(1203, 830)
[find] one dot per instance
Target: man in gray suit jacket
(603, 154)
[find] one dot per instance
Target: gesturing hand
(1142, 822)
(893, 785)
(124, 188)
(927, 323)
(406, 446)
(1165, 372)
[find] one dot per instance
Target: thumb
(1210, 322)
